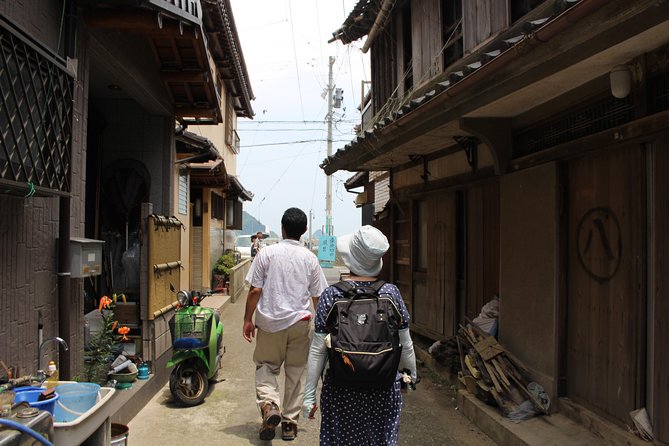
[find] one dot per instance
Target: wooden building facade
(524, 142)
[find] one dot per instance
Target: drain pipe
(64, 274)
(64, 285)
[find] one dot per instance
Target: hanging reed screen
(36, 100)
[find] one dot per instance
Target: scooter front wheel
(189, 384)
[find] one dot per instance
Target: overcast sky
(285, 45)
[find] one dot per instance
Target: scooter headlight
(183, 297)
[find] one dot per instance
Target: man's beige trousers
(290, 348)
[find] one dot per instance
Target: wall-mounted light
(621, 81)
(198, 207)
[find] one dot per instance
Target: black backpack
(365, 344)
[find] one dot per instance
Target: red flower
(124, 331)
(104, 302)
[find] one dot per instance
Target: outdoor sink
(85, 425)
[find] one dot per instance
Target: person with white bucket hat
(357, 416)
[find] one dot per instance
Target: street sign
(327, 250)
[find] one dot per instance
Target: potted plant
(221, 271)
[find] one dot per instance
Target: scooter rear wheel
(189, 384)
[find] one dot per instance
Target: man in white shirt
(282, 279)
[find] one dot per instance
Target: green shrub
(224, 264)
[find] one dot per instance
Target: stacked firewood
(491, 373)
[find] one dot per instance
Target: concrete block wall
(28, 230)
(29, 227)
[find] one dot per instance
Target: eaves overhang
(359, 22)
(209, 174)
(359, 179)
(219, 24)
(237, 189)
(189, 64)
(548, 57)
(193, 148)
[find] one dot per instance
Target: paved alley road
(229, 415)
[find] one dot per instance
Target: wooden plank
(660, 304)
(488, 348)
(493, 378)
(501, 372)
(537, 404)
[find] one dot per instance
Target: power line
(297, 70)
(294, 142)
(350, 121)
(281, 130)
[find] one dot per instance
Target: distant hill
(251, 225)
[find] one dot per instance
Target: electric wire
(293, 142)
(322, 121)
(297, 68)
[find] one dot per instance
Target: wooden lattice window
(597, 116)
(36, 102)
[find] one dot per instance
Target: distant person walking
(283, 277)
(258, 243)
(358, 416)
(254, 249)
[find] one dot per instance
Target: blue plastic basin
(31, 397)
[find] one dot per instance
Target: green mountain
(251, 225)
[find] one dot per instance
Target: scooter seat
(188, 344)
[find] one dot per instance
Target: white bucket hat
(362, 250)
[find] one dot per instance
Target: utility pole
(328, 187)
(310, 242)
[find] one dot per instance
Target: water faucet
(39, 351)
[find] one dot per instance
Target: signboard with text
(327, 250)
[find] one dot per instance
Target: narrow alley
(229, 416)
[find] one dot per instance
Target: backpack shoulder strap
(344, 286)
(376, 286)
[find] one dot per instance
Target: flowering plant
(102, 345)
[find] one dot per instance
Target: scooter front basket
(190, 331)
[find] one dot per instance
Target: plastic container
(119, 434)
(31, 397)
(143, 371)
(75, 399)
(26, 388)
(52, 380)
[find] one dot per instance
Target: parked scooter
(197, 337)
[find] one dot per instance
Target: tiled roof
(200, 148)
(224, 42)
(512, 38)
(236, 185)
(359, 22)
